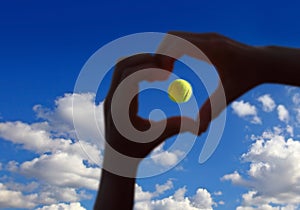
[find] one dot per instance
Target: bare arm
(241, 67)
(281, 65)
(123, 152)
(115, 192)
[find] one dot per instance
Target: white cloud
(235, 178)
(287, 131)
(79, 109)
(160, 189)
(283, 114)
(29, 187)
(296, 98)
(295, 94)
(61, 169)
(12, 166)
(267, 102)
(244, 110)
(63, 162)
(32, 139)
(221, 202)
(297, 110)
(141, 195)
(290, 130)
(266, 207)
(63, 166)
(256, 120)
(202, 200)
(218, 193)
(63, 206)
(52, 194)
(179, 194)
(34, 194)
(19, 199)
(273, 159)
(165, 158)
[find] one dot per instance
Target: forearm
(280, 65)
(115, 192)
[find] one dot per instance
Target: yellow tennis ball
(180, 91)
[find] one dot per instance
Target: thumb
(165, 62)
(177, 44)
(211, 108)
(176, 125)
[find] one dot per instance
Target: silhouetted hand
(239, 66)
(130, 138)
(121, 110)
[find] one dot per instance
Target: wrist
(268, 63)
(119, 164)
(115, 192)
(279, 64)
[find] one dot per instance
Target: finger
(174, 126)
(132, 77)
(177, 44)
(123, 96)
(211, 108)
(126, 67)
(165, 62)
(155, 73)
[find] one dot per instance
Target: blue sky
(44, 46)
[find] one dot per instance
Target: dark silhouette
(241, 67)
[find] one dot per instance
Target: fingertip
(205, 116)
(165, 62)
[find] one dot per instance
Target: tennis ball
(180, 91)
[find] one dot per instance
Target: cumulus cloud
(297, 114)
(296, 102)
(160, 189)
(235, 178)
(29, 187)
(64, 206)
(32, 137)
(294, 113)
(53, 194)
(267, 207)
(273, 159)
(218, 193)
(35, 194)
(19, 199)
(283, 114)
(36, 140)
(64, 163)
(267, 102)
(246, 110)
(62, 169)
(296, 98)
(243, 109)
(201, 200)
(290, 130)
(165, 158)
(67, 157)
(76, 116)
(141, 195)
